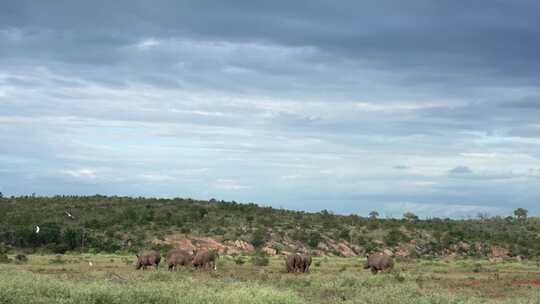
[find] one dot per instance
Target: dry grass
(112, 279)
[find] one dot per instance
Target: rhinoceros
(379, 262)
(205, 259)
(178, 257)
(148, 258)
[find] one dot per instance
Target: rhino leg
(374, 270)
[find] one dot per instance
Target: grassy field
(112, 279)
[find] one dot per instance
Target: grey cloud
(426, 35)
(401, 167)
(305, 104)
(460, 170)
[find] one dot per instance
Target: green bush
(260, 258)
(259, 238)
(4, 259)
(58, 259)
(239, 260)
(314, 239)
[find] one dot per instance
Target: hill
(119, 224)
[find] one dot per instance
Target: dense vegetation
(115, 224)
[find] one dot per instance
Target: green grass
(111, 279)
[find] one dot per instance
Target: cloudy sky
(424, 106)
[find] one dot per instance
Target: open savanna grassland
(100, 278)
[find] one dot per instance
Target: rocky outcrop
(388, 252)
(238, 247)
(317, 253)
(345, 250)
(283, 244)
(341, 248)
(403, 252)
(210, 244)
(270, 251)
(193, 243)
(498, 252)
(186, 245)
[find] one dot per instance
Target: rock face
(237, 247)
(345, 250)
(388, 252)
(498, 252)
(186, 245)
(270, 251)
(191, 244)
(210, 244)
(403, 252)
(283, 244)
(317, 253)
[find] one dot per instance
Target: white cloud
(148, 43)
(424, 183)
(229, 184)
(153, 177)
(81, 173)
(398, 107)
(284, 119)
(11, 34)
(442, 209)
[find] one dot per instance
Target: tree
(314, 239)
(259, 238)
(249, 219)
(1, 195)
(521, 213)
(409, 216)
(394, 237)
(373, 215)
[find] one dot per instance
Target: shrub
(4, 259)
(398, 276)
(477, 267)
(259, 238)
(260, 258)
(394, 237)
(21, 258)
(314, 239)
(58, 259)
(300, 235)
(239, 260)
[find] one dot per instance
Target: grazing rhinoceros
(148, 258)
(291, 262)
(298, 262)
(305, 263)
(379, 262)
(205, 259)
(178, 257)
